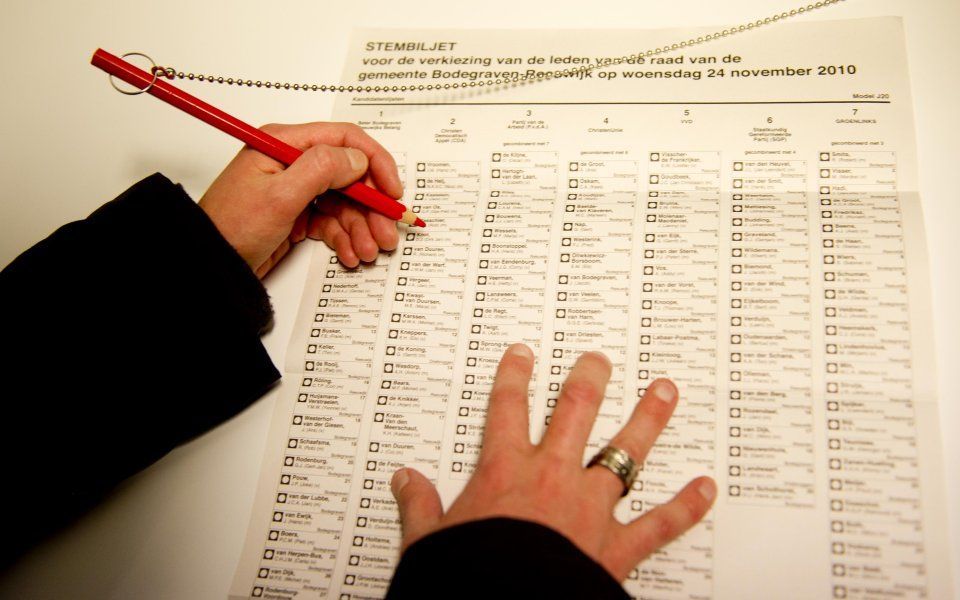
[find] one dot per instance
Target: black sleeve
(125, 334)
(500, 558)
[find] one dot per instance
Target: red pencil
(247, 134)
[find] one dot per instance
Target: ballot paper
(740, 215)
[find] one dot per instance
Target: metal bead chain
(171, 73)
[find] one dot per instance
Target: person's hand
(547, 483)
(262, 209)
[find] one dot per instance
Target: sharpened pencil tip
(410, 218)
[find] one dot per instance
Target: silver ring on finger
(619, 463)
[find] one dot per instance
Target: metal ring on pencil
(153, 69)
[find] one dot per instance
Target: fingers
(353, 219)
(277, 255)
(419, 504)
(649, 417)
(383, 169)
(646, 534)
(577, 405)
(384, 230)
(328, 229)
(319, 169)
(349, 234)
(507, 419)
(299, 231)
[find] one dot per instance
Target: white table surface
(69, 143)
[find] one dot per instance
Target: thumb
(319, 169)
(419, 503)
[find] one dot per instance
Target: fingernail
(399, 481)
(358, 160)
(603, 357)
(520, 350)
(707, 489)
(665, 390)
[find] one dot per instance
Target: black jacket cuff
(157, 212)
(500, 558)
(127, 333)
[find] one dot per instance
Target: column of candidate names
(770, 423)
(509, 266)
(678, 324)
(408, 396)
(312, 493)
(874, 485)
(314, 485)
(592, 266)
